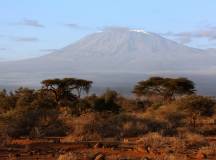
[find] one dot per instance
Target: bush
(175, 119)
(43, 102)
(7, 103)
(142, 105)
(200, 105)
(36, 118)
(100, 105)
(107, 102)
(25, 97)
(107, 125)
(80, 107)
(36, 123)
(21, 123)
(55, 128)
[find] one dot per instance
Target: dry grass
(93, 126)
(194, 138)
(210, 150)
(70, 156)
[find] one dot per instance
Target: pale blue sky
(30, 28)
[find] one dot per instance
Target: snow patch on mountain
(139, 31)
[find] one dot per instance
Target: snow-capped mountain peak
(119, 49)
(139, 31)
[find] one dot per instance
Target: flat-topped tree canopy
(168, 88)
(67, 88)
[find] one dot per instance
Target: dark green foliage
(33, 112)
(44, 101)
(107, 102)
(22, 123)
(30, 125)
(67, 88)
(7, 102)
(176, 119)
(80, 107)
(123, 125)
(55, 128)
(39, 120)
(204, 106)
(143, 104)
(168, 88)
(196, 106)
(25, 97)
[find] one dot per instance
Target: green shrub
(107, 102)
(204, 106)
(80, 107)
(175, 119)
(55, 128)
(21, 123)
(106, 125)
(37, 117)
(102, 105)
(7, 103)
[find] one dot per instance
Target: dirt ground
(52, 148)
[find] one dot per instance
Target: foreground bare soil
(127, 149)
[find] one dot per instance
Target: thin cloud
(31, 23)
(186, 37)
(3, 49)
(26, 39)
(2, 36)
(73, 25)
(76, 26)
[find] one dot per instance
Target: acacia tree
(168, 88)
(67, 88)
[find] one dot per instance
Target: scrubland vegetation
(165, 119)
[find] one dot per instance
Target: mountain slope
(119, 49)
(114, 50)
